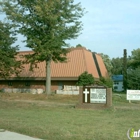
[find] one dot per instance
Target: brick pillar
(80, 95)
(109, 97)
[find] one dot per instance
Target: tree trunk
(48, 76)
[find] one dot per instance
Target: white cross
(86, 93)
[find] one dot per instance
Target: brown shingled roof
(79, 60)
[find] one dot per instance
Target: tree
(106, 82)
(8, 63)
(78, 45)
(133, 79)
(46, 24)
(133, 71)
(125, 69)
(134, 59)
(85, 79)
(107, 62)
(117, 64)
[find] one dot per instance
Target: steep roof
(101, 65)
(78, 61)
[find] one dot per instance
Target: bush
(85, 79)
(106, 82)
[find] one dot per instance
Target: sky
(109, 27)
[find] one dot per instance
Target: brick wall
(34, 84)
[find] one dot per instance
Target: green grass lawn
(55, 118)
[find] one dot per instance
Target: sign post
(133, 95)
(95, 97)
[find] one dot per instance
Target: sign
(97, 95)
(94, 95)
(133, 95)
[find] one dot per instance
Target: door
(60, 85)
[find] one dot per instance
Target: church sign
(133, 95)
(94, 95)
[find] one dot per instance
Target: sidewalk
(7, 135)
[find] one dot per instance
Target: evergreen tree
(125, 70)
(46, 24)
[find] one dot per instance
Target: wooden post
(109, 97)
(80, 94)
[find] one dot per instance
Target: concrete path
(6, 135)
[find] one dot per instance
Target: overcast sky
(109, 27)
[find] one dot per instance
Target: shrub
(85, 79)
(106, 82)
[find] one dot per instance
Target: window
(115, 87)
(10, 83)
(116, 83)
(60, 85)
(27, 83)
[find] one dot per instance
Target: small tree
(85, 79)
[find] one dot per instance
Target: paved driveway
(7, 135)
